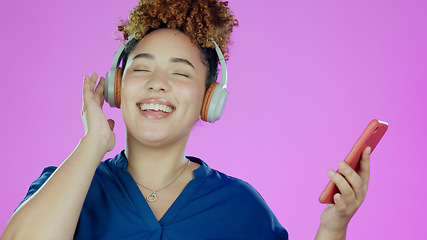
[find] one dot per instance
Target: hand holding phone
(370, 137)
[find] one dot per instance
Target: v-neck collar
(144, 210)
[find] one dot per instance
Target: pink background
(305, 78)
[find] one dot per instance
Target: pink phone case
(370, 137)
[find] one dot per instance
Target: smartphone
(370, 137)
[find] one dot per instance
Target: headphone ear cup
(112, 87)
(214, 102)
(118, 87)
(207, 101)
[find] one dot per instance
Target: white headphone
(213, 103)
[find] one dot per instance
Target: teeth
(155, 107)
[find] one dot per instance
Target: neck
(154, 166)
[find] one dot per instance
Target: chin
(157, 139)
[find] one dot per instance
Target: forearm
(53, 211)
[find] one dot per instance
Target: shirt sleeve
(44, 176)
(283, 235)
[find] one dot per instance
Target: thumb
(111, 124)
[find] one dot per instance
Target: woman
(151, 190)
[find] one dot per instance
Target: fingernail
(331, 172)
(369, 150)
(342, 165)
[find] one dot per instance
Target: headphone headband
(217, 94)
(224, 76)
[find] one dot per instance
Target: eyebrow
(174, 59)
(182, 60)
(144, 55)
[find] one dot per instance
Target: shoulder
(110, 168)
(223, 188)
(238, 189)
(214, 179)
(44, 176)
(106, 170)
(232, 203)
(46, 173)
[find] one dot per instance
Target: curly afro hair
(204, 21)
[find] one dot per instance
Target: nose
(158, 82)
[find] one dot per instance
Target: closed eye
(141, 70)
(181, 74)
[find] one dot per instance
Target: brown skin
(353, 187)
(155, 147)
(155, 158)
(53, 211)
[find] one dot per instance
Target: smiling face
(163, 89)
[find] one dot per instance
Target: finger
(345, 189)
(354, 180)
(339, 203)
(341, 206)
(364, 170)
(99, 90)
(85, 83)
(86, 86)
(92, 81)
(349, 174)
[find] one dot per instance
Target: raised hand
(95, 123)
(353, 187)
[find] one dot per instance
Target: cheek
(129, 91)
(129, 87)
(193, 95)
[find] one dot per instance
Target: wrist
(335, 234)
(95, 142)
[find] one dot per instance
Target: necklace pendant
(152, 197)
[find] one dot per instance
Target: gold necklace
(152, 196)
